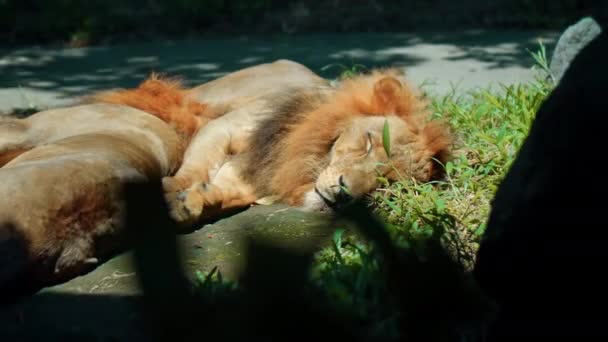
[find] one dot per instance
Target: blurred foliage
(85, 22)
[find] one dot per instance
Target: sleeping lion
(61, 185)
(306, 144)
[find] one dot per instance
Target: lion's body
(61, 203)
(280, 144)
(20, 135)
(242, 86)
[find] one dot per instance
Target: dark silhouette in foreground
(543, 254)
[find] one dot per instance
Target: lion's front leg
(226, 191)
(209, 150)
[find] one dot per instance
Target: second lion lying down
(312, 147)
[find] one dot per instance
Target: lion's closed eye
(369, 144)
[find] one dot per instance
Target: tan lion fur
(61, 187)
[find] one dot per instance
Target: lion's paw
(186, 206)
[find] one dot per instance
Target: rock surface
(574, 38)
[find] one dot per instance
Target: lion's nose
(343, 196)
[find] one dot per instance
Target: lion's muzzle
(334, 195)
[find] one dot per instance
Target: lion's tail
(164, 98)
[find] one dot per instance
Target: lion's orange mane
(165, 98)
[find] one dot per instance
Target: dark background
(80, 23)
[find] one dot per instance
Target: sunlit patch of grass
(490, 127)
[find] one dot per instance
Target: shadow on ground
(69, 73)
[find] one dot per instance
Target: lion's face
(358, 158)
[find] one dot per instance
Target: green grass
(490, 127)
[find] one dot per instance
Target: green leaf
(392, 205)
(449, 166)
(403, 243)
(383, 180)
(440, 204)
(200, 276)
(428, 232)
(480, 229)
(345, 189)
(386, 138)
(209, 276)
(415, 226)
(337, 243)
(338, 237)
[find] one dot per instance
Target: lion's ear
(386, 91)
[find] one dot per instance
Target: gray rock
(574, 38)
